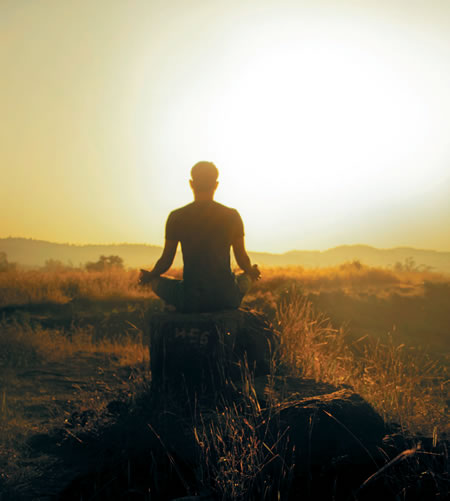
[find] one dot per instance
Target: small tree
(4, 264)
(54, 265)
(410, 265)
(105, 263)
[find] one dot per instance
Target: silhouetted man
(206, 230)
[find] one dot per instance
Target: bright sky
(329, 121)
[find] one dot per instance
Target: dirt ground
(44, 405)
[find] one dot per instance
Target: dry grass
(25, 287)
(37, 286)
(404, 384)
(241, 459)
(351, 278)
(22, 345)
(310, 346)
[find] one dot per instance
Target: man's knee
(170, 290)
(244, 283)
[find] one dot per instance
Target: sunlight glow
(324, 127)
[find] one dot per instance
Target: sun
(309, 131)
(319, 133)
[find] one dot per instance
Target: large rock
(338, 426)
(327, 425)
(329, 437)
(204, 350)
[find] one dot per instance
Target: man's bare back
(206, 230)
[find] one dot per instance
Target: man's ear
(191, 184)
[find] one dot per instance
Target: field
(74, 363)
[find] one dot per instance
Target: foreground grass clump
(242, 457)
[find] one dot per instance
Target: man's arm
(243, 259)
(163, 263)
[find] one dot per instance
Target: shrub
(106, 263)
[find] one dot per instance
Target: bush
(106, 263)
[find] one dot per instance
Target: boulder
(331, 429)
(204, 350)
(327, 425)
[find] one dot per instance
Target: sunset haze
(329, 121)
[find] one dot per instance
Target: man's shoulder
(209, 205)
(212, 209)
(225, 208)
(181, 210)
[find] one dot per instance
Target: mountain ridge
(34, 253)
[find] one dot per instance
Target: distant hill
(29, 252)
(436, 260)
(33, 253)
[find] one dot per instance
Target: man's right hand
(254, 273)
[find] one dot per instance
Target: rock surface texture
(328, 425)
(204, 350)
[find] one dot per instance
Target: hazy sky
(329, 121)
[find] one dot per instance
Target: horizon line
(78, 244)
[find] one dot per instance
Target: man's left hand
(145, 277)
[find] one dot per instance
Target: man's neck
(203, 197)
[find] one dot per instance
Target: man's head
(204, 178)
